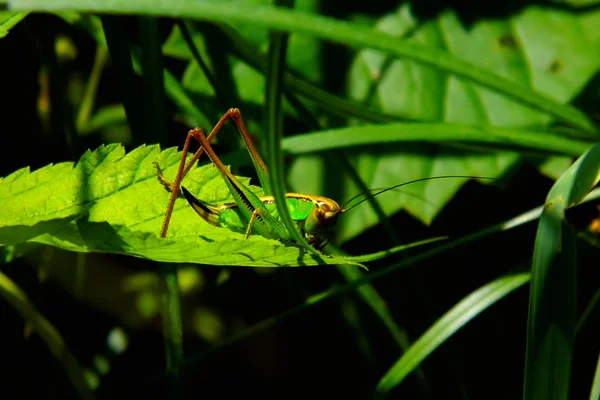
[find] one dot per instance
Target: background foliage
(375, 94)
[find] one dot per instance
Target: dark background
(313, 353)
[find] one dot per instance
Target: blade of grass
(595, 392)
(424, 132)
(91, 88)
(274, 117)
(8, 20)
(49, 334)
(350, 34)
(551, 321)
(454, 319)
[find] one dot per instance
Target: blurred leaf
(457, 317)
(8, 20)
(524, 49)
(554, 167)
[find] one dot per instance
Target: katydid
(315, 216)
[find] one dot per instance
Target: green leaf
(522, 49)
(123, 206)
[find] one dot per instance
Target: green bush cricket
(315, 216)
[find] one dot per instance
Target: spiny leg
(174, 187)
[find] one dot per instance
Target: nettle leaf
(524, 48)
(113, 202)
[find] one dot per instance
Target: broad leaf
(524, 49)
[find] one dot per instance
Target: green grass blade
(91, 89)
(595, 392)
(49, 334)
(274, 117)
(350, 34)
(390, 252)
(551, 320)
(432, 133)
(8, 20)
(457, 317)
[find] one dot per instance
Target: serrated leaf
(112, 202)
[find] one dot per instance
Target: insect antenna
(344, 209)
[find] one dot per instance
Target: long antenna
(343, 210)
